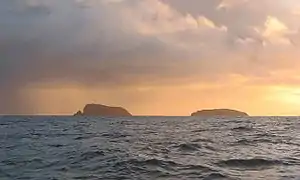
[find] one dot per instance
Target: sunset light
(150, 89)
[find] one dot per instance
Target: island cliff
(102, 110)
(220, 112)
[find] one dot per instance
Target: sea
(142, 148)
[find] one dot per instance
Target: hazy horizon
(152, 57)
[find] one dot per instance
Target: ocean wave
(148, 162)
(255, 141)
(242, 128)
(203, 140)
(188, 147)
(149, 148)
(216, 176)
(5, 174)
(32, 162)
(55, 145)
(249, 163)
(242, 142)
(291, 161)
(200, 130)
(114, 135)
(167, 164)
(82, 137)
(91, 154)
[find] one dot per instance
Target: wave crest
(249, 163)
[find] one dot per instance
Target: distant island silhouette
(220, 112)
(110, 111)
(102, 110)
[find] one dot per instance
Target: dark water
(149, 148)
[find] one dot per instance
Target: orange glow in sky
(152, 57)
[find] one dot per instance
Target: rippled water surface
(149, 148)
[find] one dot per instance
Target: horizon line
(67, 115)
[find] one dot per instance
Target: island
(220, 112)
(102, 110)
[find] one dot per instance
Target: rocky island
(220, 112)
(102, 110)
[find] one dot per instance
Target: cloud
(275, 31)
(142, 43)
(230, 3)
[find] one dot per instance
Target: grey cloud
(240, 20)
(76, 46)
(92, 44)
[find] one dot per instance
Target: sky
(152, 57)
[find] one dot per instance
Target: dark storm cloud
(63, 41)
